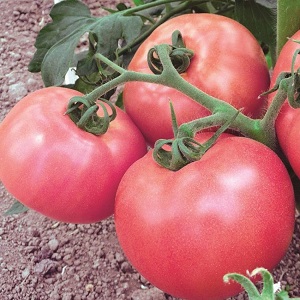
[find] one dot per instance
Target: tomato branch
(163, 19)
(184, 149)
(192, 127)
(172, 12)
(171, 78)
(262, 130)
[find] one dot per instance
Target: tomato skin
(228, 63)
(59, 170)
(229, 212)
(288, 121)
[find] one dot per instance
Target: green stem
(243, 124)
(268, 121)
(99, 57)
(170, 77)
(190, 128)
(178, 9)
(143, 36)
(135, 9)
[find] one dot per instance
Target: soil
(44, 259)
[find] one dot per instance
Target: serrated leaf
(57, 30)
(259, 17)
(57, 41)
(16, 208)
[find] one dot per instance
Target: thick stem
(192, 127)
(246, 126)
(268, 121)
(243, 124)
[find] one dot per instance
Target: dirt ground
(43, 259)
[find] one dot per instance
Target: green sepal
(84, 114)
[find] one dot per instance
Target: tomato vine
(262, 130)
(104, 67)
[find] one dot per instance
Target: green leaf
(119, 101)
(62, 14)
(260, 18)
(16, 208)
(138, 2)
(57, 41)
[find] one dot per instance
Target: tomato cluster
(231, 211)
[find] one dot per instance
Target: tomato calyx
(290, 82)
(182, 152)
(179, 55)
(84, 114)
(270, 290)
(174, 154)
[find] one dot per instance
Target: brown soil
(43, 259)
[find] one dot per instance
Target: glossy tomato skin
(288, 121)
(229, 212)
(228, 63)
(59, 170)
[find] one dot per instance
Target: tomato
(59, 170)
(231, 211)
(228, 63)
(288, 121)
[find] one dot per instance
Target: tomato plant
(288, 121)
(58, 169)
(229, 207)
(232, 210)
(232, 69)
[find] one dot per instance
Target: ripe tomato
(231, 211)
(288, 121)
(59, 170)
(228, 63)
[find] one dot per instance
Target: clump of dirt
(44, 259)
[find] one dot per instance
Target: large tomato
(59, 170)
(288, 121)
(228, 63)
(231, 211)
